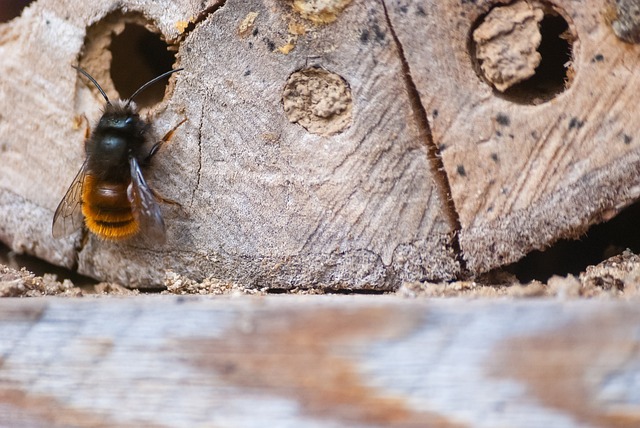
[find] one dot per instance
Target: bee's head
(120, 132)
(120, 117)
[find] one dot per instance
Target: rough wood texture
(264, 200)
(523, 176)
(318, 362)
(270, 202)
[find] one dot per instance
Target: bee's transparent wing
(68, 217)
(144, 206)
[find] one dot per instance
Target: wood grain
(523, 176)
(264, 201)
(318, 361)
(431, 169)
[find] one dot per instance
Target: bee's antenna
(88, 76)
(151, 82)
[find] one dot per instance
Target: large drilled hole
(572, 257)
(123, 52)
(138, 56)
(12, 9)
(508, 62)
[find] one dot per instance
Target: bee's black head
(119, 134)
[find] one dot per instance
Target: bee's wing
(68, 217)
(144, 206)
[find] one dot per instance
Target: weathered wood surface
(318, 362)
(542, 171)
(265, 202)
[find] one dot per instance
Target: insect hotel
(320, 213)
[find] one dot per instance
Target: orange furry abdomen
(107, 210)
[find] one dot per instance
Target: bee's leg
(167, 137)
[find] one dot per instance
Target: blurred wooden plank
(318, 361)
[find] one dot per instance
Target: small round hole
(123, 52)
(516, 66)
(138, 55)
(12, 9)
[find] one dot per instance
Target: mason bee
(109, 194)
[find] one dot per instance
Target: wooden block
(264, 200)
(354, 145)
(522, 174)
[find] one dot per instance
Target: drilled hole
(513, 63)
(318, 100)
(573, 256)
(123, 52)
(12, 9)
(138, 56)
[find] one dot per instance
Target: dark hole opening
(39, 267)
(572, 257)
(551, 76)
(12, 9)
(138, 56)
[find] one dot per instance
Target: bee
(109, 195)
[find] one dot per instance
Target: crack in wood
(198, 19)
(199, 172)
(435, 160)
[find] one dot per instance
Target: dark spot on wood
(403, 8)
(461, 171)
(575, 123)
(247, 72)
(420, 11)
(270, 44)
(435, 113)
(598, 58)
(534, 135)
(494, 157)
(364, 36)
(228, 367)
(498, 134)
(627, 139)
(380, 35)
(503, 119)
(255, 32)
(250, 45)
